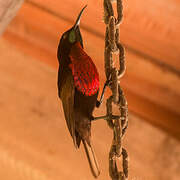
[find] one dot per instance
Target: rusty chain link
(117, 123)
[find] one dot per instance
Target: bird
(78, 88)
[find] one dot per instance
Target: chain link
(117, 123)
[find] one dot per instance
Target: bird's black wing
(67, 97)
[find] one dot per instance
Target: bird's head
(71, 36)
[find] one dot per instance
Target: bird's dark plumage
(78, 87)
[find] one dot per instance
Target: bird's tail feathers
(91, 159)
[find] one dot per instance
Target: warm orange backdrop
(34, 140)
(149, 32)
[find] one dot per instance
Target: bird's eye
(72, 36)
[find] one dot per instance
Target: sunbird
(78, 88)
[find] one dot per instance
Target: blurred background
(34, 141)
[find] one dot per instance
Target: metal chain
(117, 123)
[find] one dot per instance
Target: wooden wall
(150, 33)
(34, 141)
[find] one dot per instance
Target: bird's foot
(97, 118)
(98, 103)
(106, 117)
(107, 83)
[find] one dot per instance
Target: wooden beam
(150, 28)
(8, 10)
(35, 142)
(148, 83)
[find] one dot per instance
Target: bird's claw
(98, 104)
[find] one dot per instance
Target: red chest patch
(86, 77)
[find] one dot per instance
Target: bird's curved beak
(79, 18)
